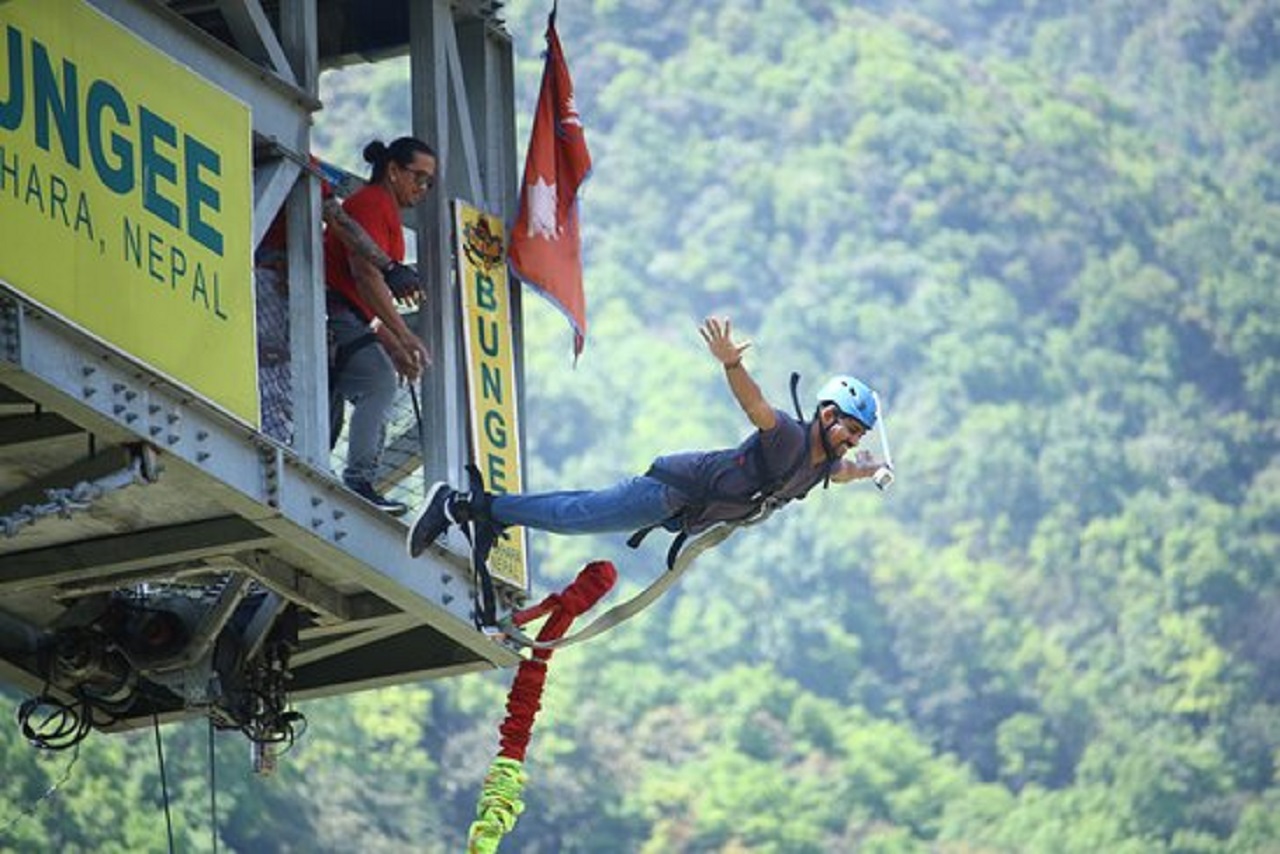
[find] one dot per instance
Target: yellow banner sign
(126, 197)
(491, 372)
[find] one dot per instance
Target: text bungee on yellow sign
(491, 373)
(126, 202)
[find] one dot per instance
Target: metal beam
(364, 611)
(179, 574)
(106, 556)
(12, 397)
(309, 346)
(343, 645)
(309, 357)
(383, 663)
(34, 427)
(299, 29)
(485, 54)
(462, 129)
(430, 23)
(346, 681)
(296, 585)
(272, 183)
(254, 37)
(21, 679)
(264, 620)
(18, 639)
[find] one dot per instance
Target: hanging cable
(30, 810)
(48, 723)
(164, 780)
(213, 791)
(417, 413)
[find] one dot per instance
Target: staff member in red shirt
(362, 308)
(271, 285)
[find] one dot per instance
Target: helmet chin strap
(827, 447)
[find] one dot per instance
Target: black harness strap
(342, 355)
(337, 301)
(487, 532)
(677, 543)
(637, 537)
(795, 398)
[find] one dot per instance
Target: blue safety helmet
(852, 397)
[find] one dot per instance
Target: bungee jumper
(692, 493)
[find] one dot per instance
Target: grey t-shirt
(729, 484)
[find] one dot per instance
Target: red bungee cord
(500, 802)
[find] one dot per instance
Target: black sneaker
(366, 491)
(435, 517)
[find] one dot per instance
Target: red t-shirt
(376, 210)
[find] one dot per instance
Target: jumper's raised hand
(719, 337)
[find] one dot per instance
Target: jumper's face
(410, 184)
(843, 432)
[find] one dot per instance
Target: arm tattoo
(353, 235)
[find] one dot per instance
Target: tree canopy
(1050, 236)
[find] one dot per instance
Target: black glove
(401, 279)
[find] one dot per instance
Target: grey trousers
(368, 382)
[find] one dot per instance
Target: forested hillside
(1049, 233)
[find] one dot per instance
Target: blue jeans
(627, 506)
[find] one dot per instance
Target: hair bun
(375, 152)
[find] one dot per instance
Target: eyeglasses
(421, 177)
